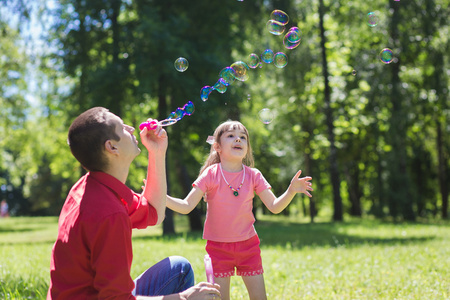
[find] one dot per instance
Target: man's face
(127, 144)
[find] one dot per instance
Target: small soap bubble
(267, 56)
(253, 61)
(372, 19)
(181, 64)
(228, 75)
(279, 16)
(189, 108)
(280, 60)
(221, 86)
(354, 72)
(266, 115)
(386, 56)
(205, 91)
(240, 70)
(178, 114)
(292, 38)
(275, 27)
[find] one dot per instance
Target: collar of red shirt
(123, 192)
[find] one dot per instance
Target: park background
(375, 137)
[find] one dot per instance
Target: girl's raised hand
(301, 185)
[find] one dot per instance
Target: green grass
(365, 259)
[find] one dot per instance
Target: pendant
(236, 193)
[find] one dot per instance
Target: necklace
(235, 191)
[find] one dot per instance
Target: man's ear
(110, 148)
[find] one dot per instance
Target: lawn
(359, 259)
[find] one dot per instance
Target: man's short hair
(87, 136)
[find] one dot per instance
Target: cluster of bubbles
(386, 55)
(180, 112)
(279, 59)
(277, 25)
(239, 70)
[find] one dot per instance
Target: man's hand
(154, 140)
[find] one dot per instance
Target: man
(92, 256)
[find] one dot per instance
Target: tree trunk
(168, 224)
(334, 174)
(354, 189)
(442, 171)
(400, 198)
(116, 87)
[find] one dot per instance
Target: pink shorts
(245, 256)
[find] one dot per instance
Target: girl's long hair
(214, 157)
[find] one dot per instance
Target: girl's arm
(186, 205)
(298, 185)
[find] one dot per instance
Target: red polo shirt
(92, 256)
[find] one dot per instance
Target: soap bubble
(266, 115)
(221, 86)
(354, 72)
(279, 16)
(181, 64)
(253, 61)
(280, 60)
(372, 19)
(228, 75)
(205, 91)
(240, 70)
(292, 38)
(267, 56)
(178, 114)
(189, 108)
(386, 56)
(275, 27)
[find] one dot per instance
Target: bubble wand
(209, 269)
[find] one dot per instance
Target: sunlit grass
(354, 260)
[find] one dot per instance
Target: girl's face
(233, 145)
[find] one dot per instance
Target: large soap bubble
(267, 56)
(292, 38)
(253, 61)
(372, 19)
(181, 64)
(205, 91)
(279, 16)
(386, 56)
(228, 75)
(240, 70)
(275, 27)
(280, 60)
(266, 115)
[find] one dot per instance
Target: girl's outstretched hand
(301, 185)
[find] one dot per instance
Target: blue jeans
(172, 275)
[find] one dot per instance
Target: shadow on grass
(324, 235)
(299, 235)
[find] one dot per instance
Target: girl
(228, 182)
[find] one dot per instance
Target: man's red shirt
(92, 256)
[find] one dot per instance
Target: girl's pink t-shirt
(230, 218)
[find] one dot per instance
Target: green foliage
(390, 121)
